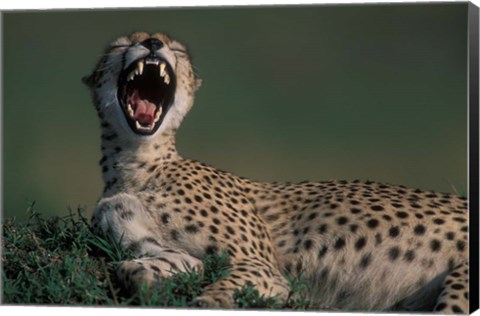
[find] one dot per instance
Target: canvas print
(281, 157)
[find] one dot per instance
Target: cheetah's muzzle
(145, 92)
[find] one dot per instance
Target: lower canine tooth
(130, 110)
(166, 79)
(137, 125)
(157, 115)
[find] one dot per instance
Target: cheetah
(360, 245)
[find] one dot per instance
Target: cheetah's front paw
(214, 300)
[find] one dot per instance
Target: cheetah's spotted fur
(361, 245)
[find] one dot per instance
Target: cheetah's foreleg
(123, 219)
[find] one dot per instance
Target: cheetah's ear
(88, 80)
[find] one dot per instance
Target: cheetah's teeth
(162, 69)
(166, 79)
(157, 115)
(130, 110)
(131, 75)
(140, 67)
(149, 61)
(145, 128)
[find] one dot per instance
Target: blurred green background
(290, 93)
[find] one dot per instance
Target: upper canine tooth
(162, 69)
(166, 79)
(140, 67)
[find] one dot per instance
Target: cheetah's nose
(153, 44)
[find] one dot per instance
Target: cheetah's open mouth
(145, 91)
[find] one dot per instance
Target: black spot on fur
(353, 228)
(435, 245)
(387, 217)
(419, 229)
(210, 250)
(460, 245)
(457, 309)
(127, 215)
(355, 210)
(360, 243)
(213, 229)
(165, 218)
(322, 251)
(394, 253)
(322, 228)
(174, 234)
(342, 220)
(394, 231)
(409, 255)
(365, 261)
(299, 267)
(438, 221)
(450, 235)
(308, 244)
(377, 208)
(192, 229)
(339, 244)
(150, 240)
(372, 223)
(457, 286)
(230, 230)
(312, 216)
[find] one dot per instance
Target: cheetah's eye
(145, 91)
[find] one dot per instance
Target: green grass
(58, 261)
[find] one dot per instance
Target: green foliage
(182, 288)
(48, 261)
(249, 298)
(59, 261)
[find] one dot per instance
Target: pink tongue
(145, 112)
(144, 109)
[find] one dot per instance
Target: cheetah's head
(143, 85)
